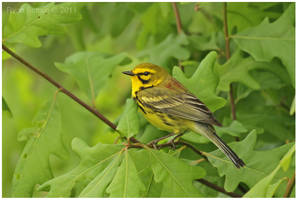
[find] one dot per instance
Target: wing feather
(179, 104)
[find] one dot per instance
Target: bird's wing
(179, 104)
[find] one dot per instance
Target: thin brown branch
(227, 52)
(177, 18)
(60, 87)
(178, 27)
(217, 188)
(226, 32)
(290, 186)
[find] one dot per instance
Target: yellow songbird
(168, 105)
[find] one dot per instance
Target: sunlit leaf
(126, 182)
(91, 168)
(175, 175)
(203, 82)
(129, 122)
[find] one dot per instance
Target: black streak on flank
(138, 102)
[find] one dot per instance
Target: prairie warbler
(168, 105)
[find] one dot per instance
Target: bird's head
(146, 75)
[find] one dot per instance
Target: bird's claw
(172, 144)
(155, 146)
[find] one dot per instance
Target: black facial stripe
(143, 81)
(144, 73)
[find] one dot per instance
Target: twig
(227, 39)
(217, 188)
(290, 186)
(178, 27)
(227, 44)
(60, 87)
(177, 18)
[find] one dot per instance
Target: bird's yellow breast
(164, 121)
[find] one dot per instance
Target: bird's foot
(154, 143)
(172, 142)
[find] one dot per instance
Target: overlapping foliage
(67, 152)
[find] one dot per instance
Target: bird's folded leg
(155, 142)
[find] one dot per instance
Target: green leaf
(144, 172)
(126, 182)
(27, 24)
(122, 17)
(242, 15)
(235, 129)
(129, 123)
(254, 113)
(171, 47)
(150, 133)
(5, 106)
(237, 69)
(91, 70)
(101, 159)
(157, 23)
(99, 184)
(258, 163)
(285, 162)
(273, 187)
(261, 188)
(203, 43)
(269, 40)
(175, 175)
(203, 82)
(33, 166)
(292, 109)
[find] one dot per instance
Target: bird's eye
(146, 73)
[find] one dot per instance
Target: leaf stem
(217, 188)
(290, 186)
(178, 27)
(60, 87)
(177, 18)
(227, 52)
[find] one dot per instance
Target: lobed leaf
(171, 47)
(96, 161)
(203, 82)
(258, 163)
(264, 188)
(91, 70)
(278, 42)
(33, 166)
(26, 25)
(129, 123)
(175, 175)
(126, 182)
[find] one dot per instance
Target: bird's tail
(209, 132)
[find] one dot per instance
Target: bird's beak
(130, 73)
